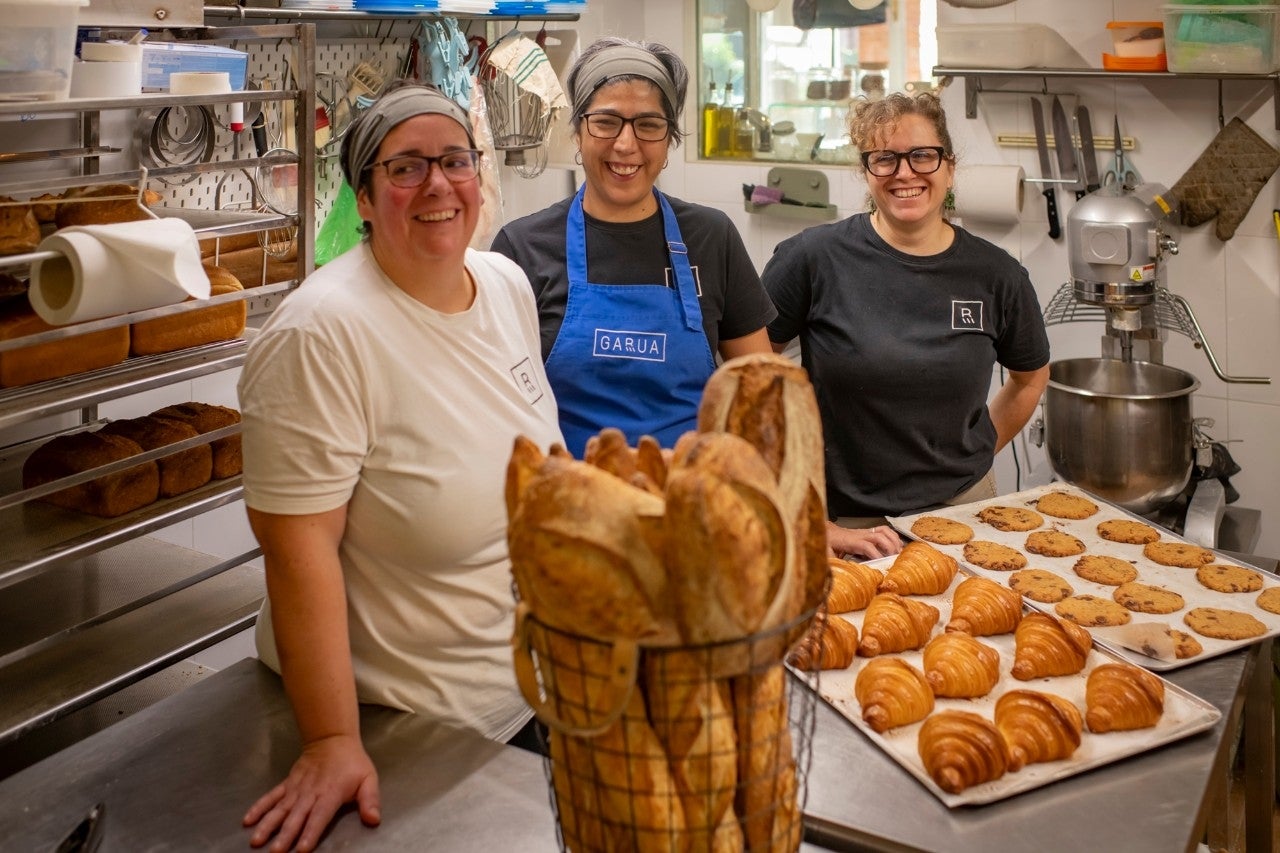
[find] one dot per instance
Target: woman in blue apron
(637, 291)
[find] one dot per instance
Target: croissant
(982, 607)
(1120, 697)
(853, 585)
(1037, 727)
(961, 749)
(958, 666)
(894, 624)
(1045, 646)
(831, 644)
(919, 569)
(892, 693)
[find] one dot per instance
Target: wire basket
(673, 748)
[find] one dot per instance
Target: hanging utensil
(1063, 145)
(1120, 172)
(1091, 182)
(1046, 170)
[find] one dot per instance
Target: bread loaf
(254, 268)
(227, 459)
(119, 204)
(19, 230)
(45, 207)
(216, 323)
(107, 496)
(179, 472)
(54, 359)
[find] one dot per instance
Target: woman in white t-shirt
(380, 403)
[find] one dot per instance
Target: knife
(1046, 171)
(1062, 143)
(1091, 182)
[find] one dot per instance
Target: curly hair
(871, 120)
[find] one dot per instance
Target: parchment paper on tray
(1124, 640)
(1184, 714)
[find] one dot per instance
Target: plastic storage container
(1238, 39)
(1136, 46)
(37, 47)
(991, 45)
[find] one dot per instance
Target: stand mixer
(1120, 426)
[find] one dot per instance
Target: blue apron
(631, 356)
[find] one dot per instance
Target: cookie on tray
(1221, 577)
(994, 556)
(1041, 585)
(1184, 645)
(1184, 555)
(1054, 543)
(1269, 599)
(1144, 598)
(1010, 518)
(1224, 624)
(941, 531)
(1091, 611)
(1100, 568)
(1127, 531)
(1066, 505)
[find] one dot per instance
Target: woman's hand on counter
(864, 543)
(330, 772)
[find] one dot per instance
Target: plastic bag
(341, 229)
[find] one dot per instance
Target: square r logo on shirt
(966, 316)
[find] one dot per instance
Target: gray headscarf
(620, 61)
(365, 135)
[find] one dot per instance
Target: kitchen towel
(103, 270)
(990, 193)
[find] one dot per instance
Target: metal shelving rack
(95, 605)
(973, 78)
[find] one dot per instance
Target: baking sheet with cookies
(1184, 713)
(1182, 581)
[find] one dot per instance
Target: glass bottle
(744, 136)
(724, 123)
(710, 123)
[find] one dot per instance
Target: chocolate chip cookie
(1066, 505)
(1010, 518)
(941, 531)
(1269, 599)
(1144, 598)
(1224, 624)
(1127, 531)
(994, 556)
(1099, 568)
(1226, 578)
(1091, 611)
(1054, 543)
(1181, 554)
(1184, 645)
(1041, 585)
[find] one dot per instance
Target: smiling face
(420, 228)
(621, 172)
(908, 201)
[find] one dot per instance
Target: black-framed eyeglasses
(410, 170)
(609, 125)
(924, 160)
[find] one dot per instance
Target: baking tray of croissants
(1149, 596)
(977, 697)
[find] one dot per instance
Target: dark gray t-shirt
(900, 349)
(732, 299)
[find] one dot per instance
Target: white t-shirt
(354, 393)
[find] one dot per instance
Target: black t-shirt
(901, 349)
(733, 301)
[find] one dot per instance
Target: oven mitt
(1226, 178)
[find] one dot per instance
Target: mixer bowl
(1120, 430)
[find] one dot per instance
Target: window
(781, 92)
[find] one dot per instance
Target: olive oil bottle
(711, 123)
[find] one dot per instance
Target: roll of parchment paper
(989, 193)
(102, 270)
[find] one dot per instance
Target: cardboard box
(160, 59)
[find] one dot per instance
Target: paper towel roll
(110, 51)
(990, 193)
(103, 270)
(199, 82)
(105, 79)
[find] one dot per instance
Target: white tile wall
(1234, 288)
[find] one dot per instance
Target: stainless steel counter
(180, 775)
(861, 799)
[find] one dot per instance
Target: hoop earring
(577, 157)
(665, 162)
